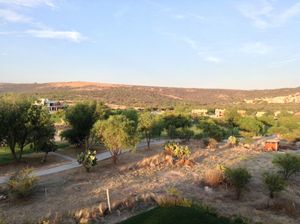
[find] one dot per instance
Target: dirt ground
(31, 160)
(75, 191)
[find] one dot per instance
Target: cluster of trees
(25, 125)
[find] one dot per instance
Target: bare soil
(70, 194)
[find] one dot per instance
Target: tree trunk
(12, 147)
(45, 157)
(21, 153)
(148, 139)
(114, 158)
(148, 143)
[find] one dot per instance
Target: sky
(204, 44)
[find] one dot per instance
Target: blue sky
(206, 44)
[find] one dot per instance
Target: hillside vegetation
(143, 96)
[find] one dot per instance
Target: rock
(208, 189)
(3, 197)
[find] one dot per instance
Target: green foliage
(22, 124)
(287, 126)
(173, 122)
(195, 214)
(150, 126)
(87, 159)
(177, 151)
(81, 118)
(117, 133)
(22, 183)
(288, 163)
(130, 114)
(251, 126)
(273, 182)
(185, 134)
(43, 130)
(211, 129)
(232, 140)
(238, 178)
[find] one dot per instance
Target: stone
(208, 189)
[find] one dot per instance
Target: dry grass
(213, 177)
(75, 190)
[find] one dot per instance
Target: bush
(214, 177)
(210, 142)
(232, 140)
(87, 159)
(22, 183)
(177, 151)
(238, 178)
(273, 182)
(185, 134)
(289, 164)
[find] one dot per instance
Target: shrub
(22, 183)
(288, 164)
(232, 140)
(169, 201)
(238, 178)
(214, 177)
(87, 159)
(177, 151)
(273, 182)
(185, 134)
(210, 142)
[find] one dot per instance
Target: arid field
(141, 177)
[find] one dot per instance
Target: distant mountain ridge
(133, 95)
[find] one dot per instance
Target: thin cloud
(256, 48)
(13, 16)
(187, 16)
(29, 3)
(212, 59)
(284, 62)
(72, 36)
(262, 13)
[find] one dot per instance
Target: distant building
(271, 145)
(52, 105)
(260, 113)
(219, 113)
(297, 114)
(242, 112)
(200, 112)
(276, 113)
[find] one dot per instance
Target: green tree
(15, 125)
(289, 164)
(150, 126)
(238, 178)
(273, 182)
(81, 118)
(173, 122)
(251, 126)
(42, 130)
(117, 133)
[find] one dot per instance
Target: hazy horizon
(193, 44)
(158, 86)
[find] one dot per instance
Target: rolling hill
(143, 96)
